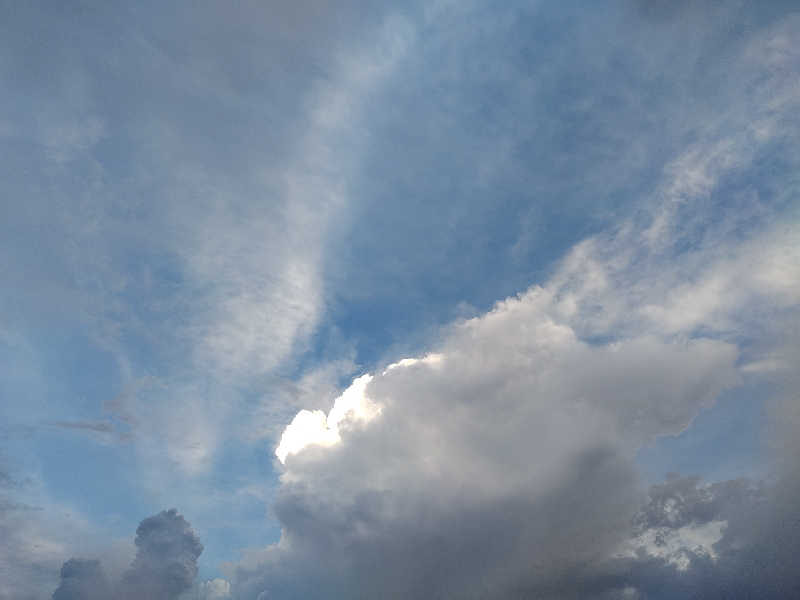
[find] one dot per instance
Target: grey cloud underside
(165, 565)
(506, 470)
(578, 540)
(166, 558)
(82, 579)
(756, 557)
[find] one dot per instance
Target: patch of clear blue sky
(505, 136)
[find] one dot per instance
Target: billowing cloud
(352, 406)
(165, 565)
(514, 450)
(506, 467)
(166, 558)
(82, 580)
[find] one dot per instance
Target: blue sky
(217, 216)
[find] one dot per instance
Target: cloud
(214, 589)
(174, 249)
(82, 580)
(212, 277)
(507, 468)
(38, 536)
(315, 428)
(166, 558)
(165, 566)
(753, 555)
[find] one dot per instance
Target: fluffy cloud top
(165, 565)
(504, 468)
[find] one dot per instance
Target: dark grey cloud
(165, 565)
(682, 501)
(82, 580)
(755, 557)
(443, 546)
(166, 558)
(451, 557)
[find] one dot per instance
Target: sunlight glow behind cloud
(315, 428)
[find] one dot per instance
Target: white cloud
(311, 428)
(677, 546)
(506, 464)
(215, 589)
(529, 415)
(352, 407)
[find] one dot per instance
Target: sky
(446, 299)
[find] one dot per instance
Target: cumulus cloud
(165, 566)
(82, 580)
(352, 406)
(506, 468)
(166, 558)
